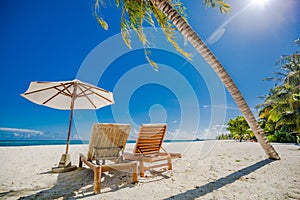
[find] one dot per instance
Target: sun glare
(259, 3)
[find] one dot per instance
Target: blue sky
(61, 40)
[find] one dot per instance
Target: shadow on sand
(209, 187)
(79, 183)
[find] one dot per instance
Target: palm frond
(99, 19)
(223, 7)
(125, 29)
(169, 29)
(150, 61)
(138, 13)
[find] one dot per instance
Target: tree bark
(185, 29)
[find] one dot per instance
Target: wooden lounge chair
(148, 148)
(107, 143)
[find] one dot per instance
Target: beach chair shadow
(200, 191)
(106, 151)
(79, 184)
(148, 148)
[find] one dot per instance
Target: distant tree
(280, 112)
(224, 136)
(239, 128)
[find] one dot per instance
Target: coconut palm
(282, 104)
(170, 15)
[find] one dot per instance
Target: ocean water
(61, 142)
(38, 142)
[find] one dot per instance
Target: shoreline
(20, 143)
(208, 170)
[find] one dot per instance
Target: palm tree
(165, 12)
(239, 128)
(282, 104)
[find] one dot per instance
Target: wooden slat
(108, 135)
(153, 148)
(153, 125)
(149, 141)
(106, 153)
(153, 131)
(157, 146)
(150, 138)
(145, 153)
(106, 143)
(152, 135)
(149, 146)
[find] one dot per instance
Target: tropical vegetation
(280, 112)
(170, 15)
(240, 129)
(139, 13)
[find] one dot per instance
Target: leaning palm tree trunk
(185, 29)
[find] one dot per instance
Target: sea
(7, 143)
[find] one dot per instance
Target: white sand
(208, 170)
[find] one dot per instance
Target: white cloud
(17, 130)
(221, 106)
(223, 126)
(180, 135)
(226, 107)
(215, 130)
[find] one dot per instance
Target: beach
(207, 170)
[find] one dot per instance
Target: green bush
(282, 136)
(271, 138)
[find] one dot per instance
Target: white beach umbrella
(68, 95)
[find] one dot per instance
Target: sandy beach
(207, 170)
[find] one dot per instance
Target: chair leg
(170, 164)
(97, 179)
(142, 168)
(80, 162)
(135, 170)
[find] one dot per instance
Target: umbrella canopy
(68, 95)
(59, 95)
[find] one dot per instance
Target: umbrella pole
(71, 115)
(69, 131)
(65, 161)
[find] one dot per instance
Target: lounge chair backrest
(108, 140)
(150, 139)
